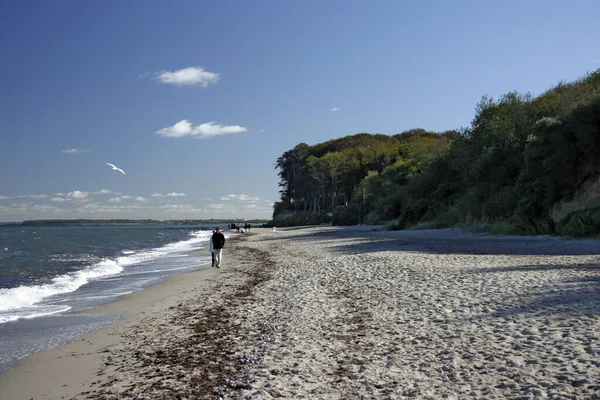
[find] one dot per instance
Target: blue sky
(196, 100)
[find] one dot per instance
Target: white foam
(32, 312)
(16, 303)
(25, 296)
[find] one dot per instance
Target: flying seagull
(115, 168)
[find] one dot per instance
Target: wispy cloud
(27, 208)
(168, 194)
(334, 109)
(74, 151)
(595, 61)
(45, 209)
(196, 76)
(59, 199)
(32, 196)
(4, 198)
(206, 130)
(100, 209)
(242, 197)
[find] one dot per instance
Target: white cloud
(4, 198)
(188, 76)
(106, 191)
(245, 197)
(595, 61)
(168, 195)
(77, 194)
(216, 206)
(138, 199)
(334, 109)
(59, 199)
(242, 197)
(206, 130)
(74, 151)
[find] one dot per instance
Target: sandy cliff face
(587, 198)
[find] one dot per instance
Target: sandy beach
(347, 313)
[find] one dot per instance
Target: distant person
(212, 249)
(218, 242)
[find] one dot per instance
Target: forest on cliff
(525, 165)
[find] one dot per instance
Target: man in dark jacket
(218, 240)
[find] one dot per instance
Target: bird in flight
(115, 168)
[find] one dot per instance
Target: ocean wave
(32, 312)
(26, 296)
(23, 301)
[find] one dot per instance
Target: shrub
(580, 223)
(300, 219)
(347, 215)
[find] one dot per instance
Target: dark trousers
(213, 258)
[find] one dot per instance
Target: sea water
(49, 276)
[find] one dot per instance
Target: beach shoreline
(66, 371)
(354, 312)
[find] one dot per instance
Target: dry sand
(346, 313)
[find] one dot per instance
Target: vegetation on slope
(521, 165)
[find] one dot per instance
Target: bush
(580, 223)
(506, 228)
(394, 225)
(428, 225)
(347, 215)
(300, 219)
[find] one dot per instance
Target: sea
(50, 275)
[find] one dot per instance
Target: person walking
(212, 249)
(218, 242)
